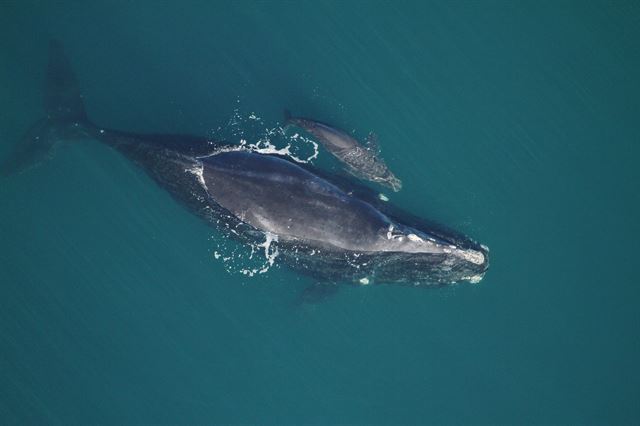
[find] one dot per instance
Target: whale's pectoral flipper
(65, 116)
(318, 293)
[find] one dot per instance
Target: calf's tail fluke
(65, 116)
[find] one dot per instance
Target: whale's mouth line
(475, 257)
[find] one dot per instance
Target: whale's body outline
(361, 161)
(347, 236)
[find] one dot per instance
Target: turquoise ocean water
(514, 122)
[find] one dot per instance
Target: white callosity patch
(475, 279)
(404, 240)
(411, 242)
(390, 232)
(472, 256)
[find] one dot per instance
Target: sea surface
(516, 123)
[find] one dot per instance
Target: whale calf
(361, 161)
(325, 226)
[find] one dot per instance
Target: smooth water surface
(514, 122)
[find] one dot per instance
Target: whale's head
(427, 255)
(392, 181)
(457, 265)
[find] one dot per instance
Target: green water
(514, 122)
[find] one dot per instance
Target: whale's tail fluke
(65, 116)
(62, 97)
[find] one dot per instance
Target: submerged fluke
(62, 96)
(65, 116)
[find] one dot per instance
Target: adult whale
(326, 226)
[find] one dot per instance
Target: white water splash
(270, 140)
(198, 170)
(264, 146)
(249, 260)
(364, 281)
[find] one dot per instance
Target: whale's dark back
(279, 197)
(332, 229)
